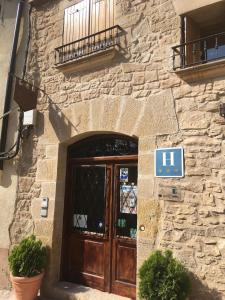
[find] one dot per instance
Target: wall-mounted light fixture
(222, 110)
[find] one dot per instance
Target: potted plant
(162, 277)
(27, 262)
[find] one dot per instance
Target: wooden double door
(100, 225)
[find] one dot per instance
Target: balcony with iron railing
(89, 45)
(90, 36)
(201, 54)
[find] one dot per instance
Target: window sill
(88, 62)
(203, 71)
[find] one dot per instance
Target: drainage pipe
(9, 85)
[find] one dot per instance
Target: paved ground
(7, 295)
(71, 291)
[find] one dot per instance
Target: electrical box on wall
(44, 207)
(30, 117)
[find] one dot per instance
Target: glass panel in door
(90, 199)
(126, 219)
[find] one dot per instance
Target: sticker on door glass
(80, 221)
(128, 199)
(133, 233)
(121, 223)
(100, 224)
(124, 175)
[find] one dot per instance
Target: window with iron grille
(88, 28)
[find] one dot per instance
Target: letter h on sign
(169, 162)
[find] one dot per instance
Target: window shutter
(76, 22)
(88, 17)
(102, 14)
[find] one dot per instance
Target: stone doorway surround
(61, 127)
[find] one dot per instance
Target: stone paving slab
(5, 295)
(8, 295)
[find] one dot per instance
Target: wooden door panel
(87, 262)
(124, 269)
(94, 257)
(75, 249)
(125, 263)
(87, 256)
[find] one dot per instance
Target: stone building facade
(136, 93)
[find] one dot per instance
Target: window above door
(88, 29)
(104, 146)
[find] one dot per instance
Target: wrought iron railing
(88, 45)
(199, 51)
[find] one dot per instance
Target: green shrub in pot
(162, 277)
(28, 259)
(27, 262)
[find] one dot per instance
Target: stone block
(151, 76)
(43, 227)
(142, 29)
(130, 112)
(217, 231)
(182, 91)
(129, 19)
(52, 151)
(132, 67)
(158, 116)
(201, 141)
(110, 114)
(138, 78)
(46, 129)
(198, 171)
(146, 144)
(25, 184)
(79, 118)
(148, 217)
(194, 120)
(122, 89)
(144, 249)
(96, 112)
(145, 187)
(46, 170)
(48, 189)
(146, 164)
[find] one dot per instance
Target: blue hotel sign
(169, 162)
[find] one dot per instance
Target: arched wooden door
(100, 219)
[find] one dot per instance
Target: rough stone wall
(136, 95)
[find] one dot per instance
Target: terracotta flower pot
(26, 288)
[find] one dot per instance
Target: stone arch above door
(152, 116)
